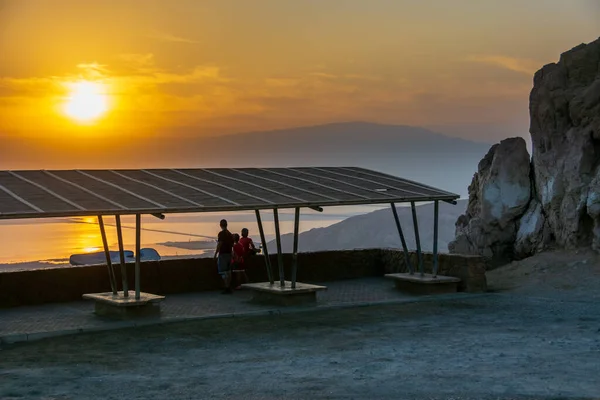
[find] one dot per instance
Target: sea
(39, 243)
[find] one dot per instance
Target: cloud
(282, 82)
(138, 59)
(170, 38)
(28, 87)
(346, 77)
(323, 75)
(359, 77)
(134, 75)
(152, 95)
(92, 70)
(521, 65)
(197, 74)
(39, 87)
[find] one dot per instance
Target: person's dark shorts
(224, 264)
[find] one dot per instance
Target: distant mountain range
(411, 152)
(378, 230)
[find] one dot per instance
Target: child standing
(247, 244)
(239, 268)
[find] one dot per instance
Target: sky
(201, 68)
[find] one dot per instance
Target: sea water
(35, 243)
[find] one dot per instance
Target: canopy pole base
(125, 307)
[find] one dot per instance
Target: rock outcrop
(509, 220)
(498, 196)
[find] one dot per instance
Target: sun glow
(87, 101)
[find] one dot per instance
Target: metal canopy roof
(69, 193)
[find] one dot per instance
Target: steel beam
(436, 212)
(264, 246)
(417, 238)
(279, 254)
(138, 255)
(295, 250)
(402, 240)
(122, 257)
(111, 272)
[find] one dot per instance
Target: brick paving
(36, 322)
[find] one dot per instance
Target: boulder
(498, 196)
(507, 218)
(564, 109)
(533, 233)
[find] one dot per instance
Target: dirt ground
(535, 336)
(566, 275)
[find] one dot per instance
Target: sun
(87, 101)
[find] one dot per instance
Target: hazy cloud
(198, 74)
(137, 74)
(92, 70)
(170, 38)
(323, 75)
(149, 94)
(362, 77)
(28, 87)
(522, 65)
(282, 82)
(138, 59)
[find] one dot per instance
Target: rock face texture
(517, 207)
(498, 196)
(564, 108)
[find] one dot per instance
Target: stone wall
(165, 277)
(470, 269)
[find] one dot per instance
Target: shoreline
(49, 264)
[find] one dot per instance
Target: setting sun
(87, 101)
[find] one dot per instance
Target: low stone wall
(164, 277)
(470, 269)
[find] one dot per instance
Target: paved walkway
(37, 322)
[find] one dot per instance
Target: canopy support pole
(295, 251)
(264, 247)
(417, 239)
(279, 254)
(122, 257)
(436, 212)
(111, 272)
(402, 239)
(138, 255)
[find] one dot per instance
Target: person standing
(247, 243)
(223, 255)
(238, 267)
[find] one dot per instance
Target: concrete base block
(275, 294)
(120, 307)
(424, 285)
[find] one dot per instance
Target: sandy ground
(572, 275)
(535, 338)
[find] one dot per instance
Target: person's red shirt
(246, 242)
(238, 253)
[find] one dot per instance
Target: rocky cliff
(519, 206)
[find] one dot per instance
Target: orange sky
(190, 67)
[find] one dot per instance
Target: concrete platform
(31, 323)
(275, 294)
(117, 306)
(424, 284)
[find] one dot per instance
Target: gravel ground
(573, 275)
(512, 344)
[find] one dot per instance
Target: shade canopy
(69, 193)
